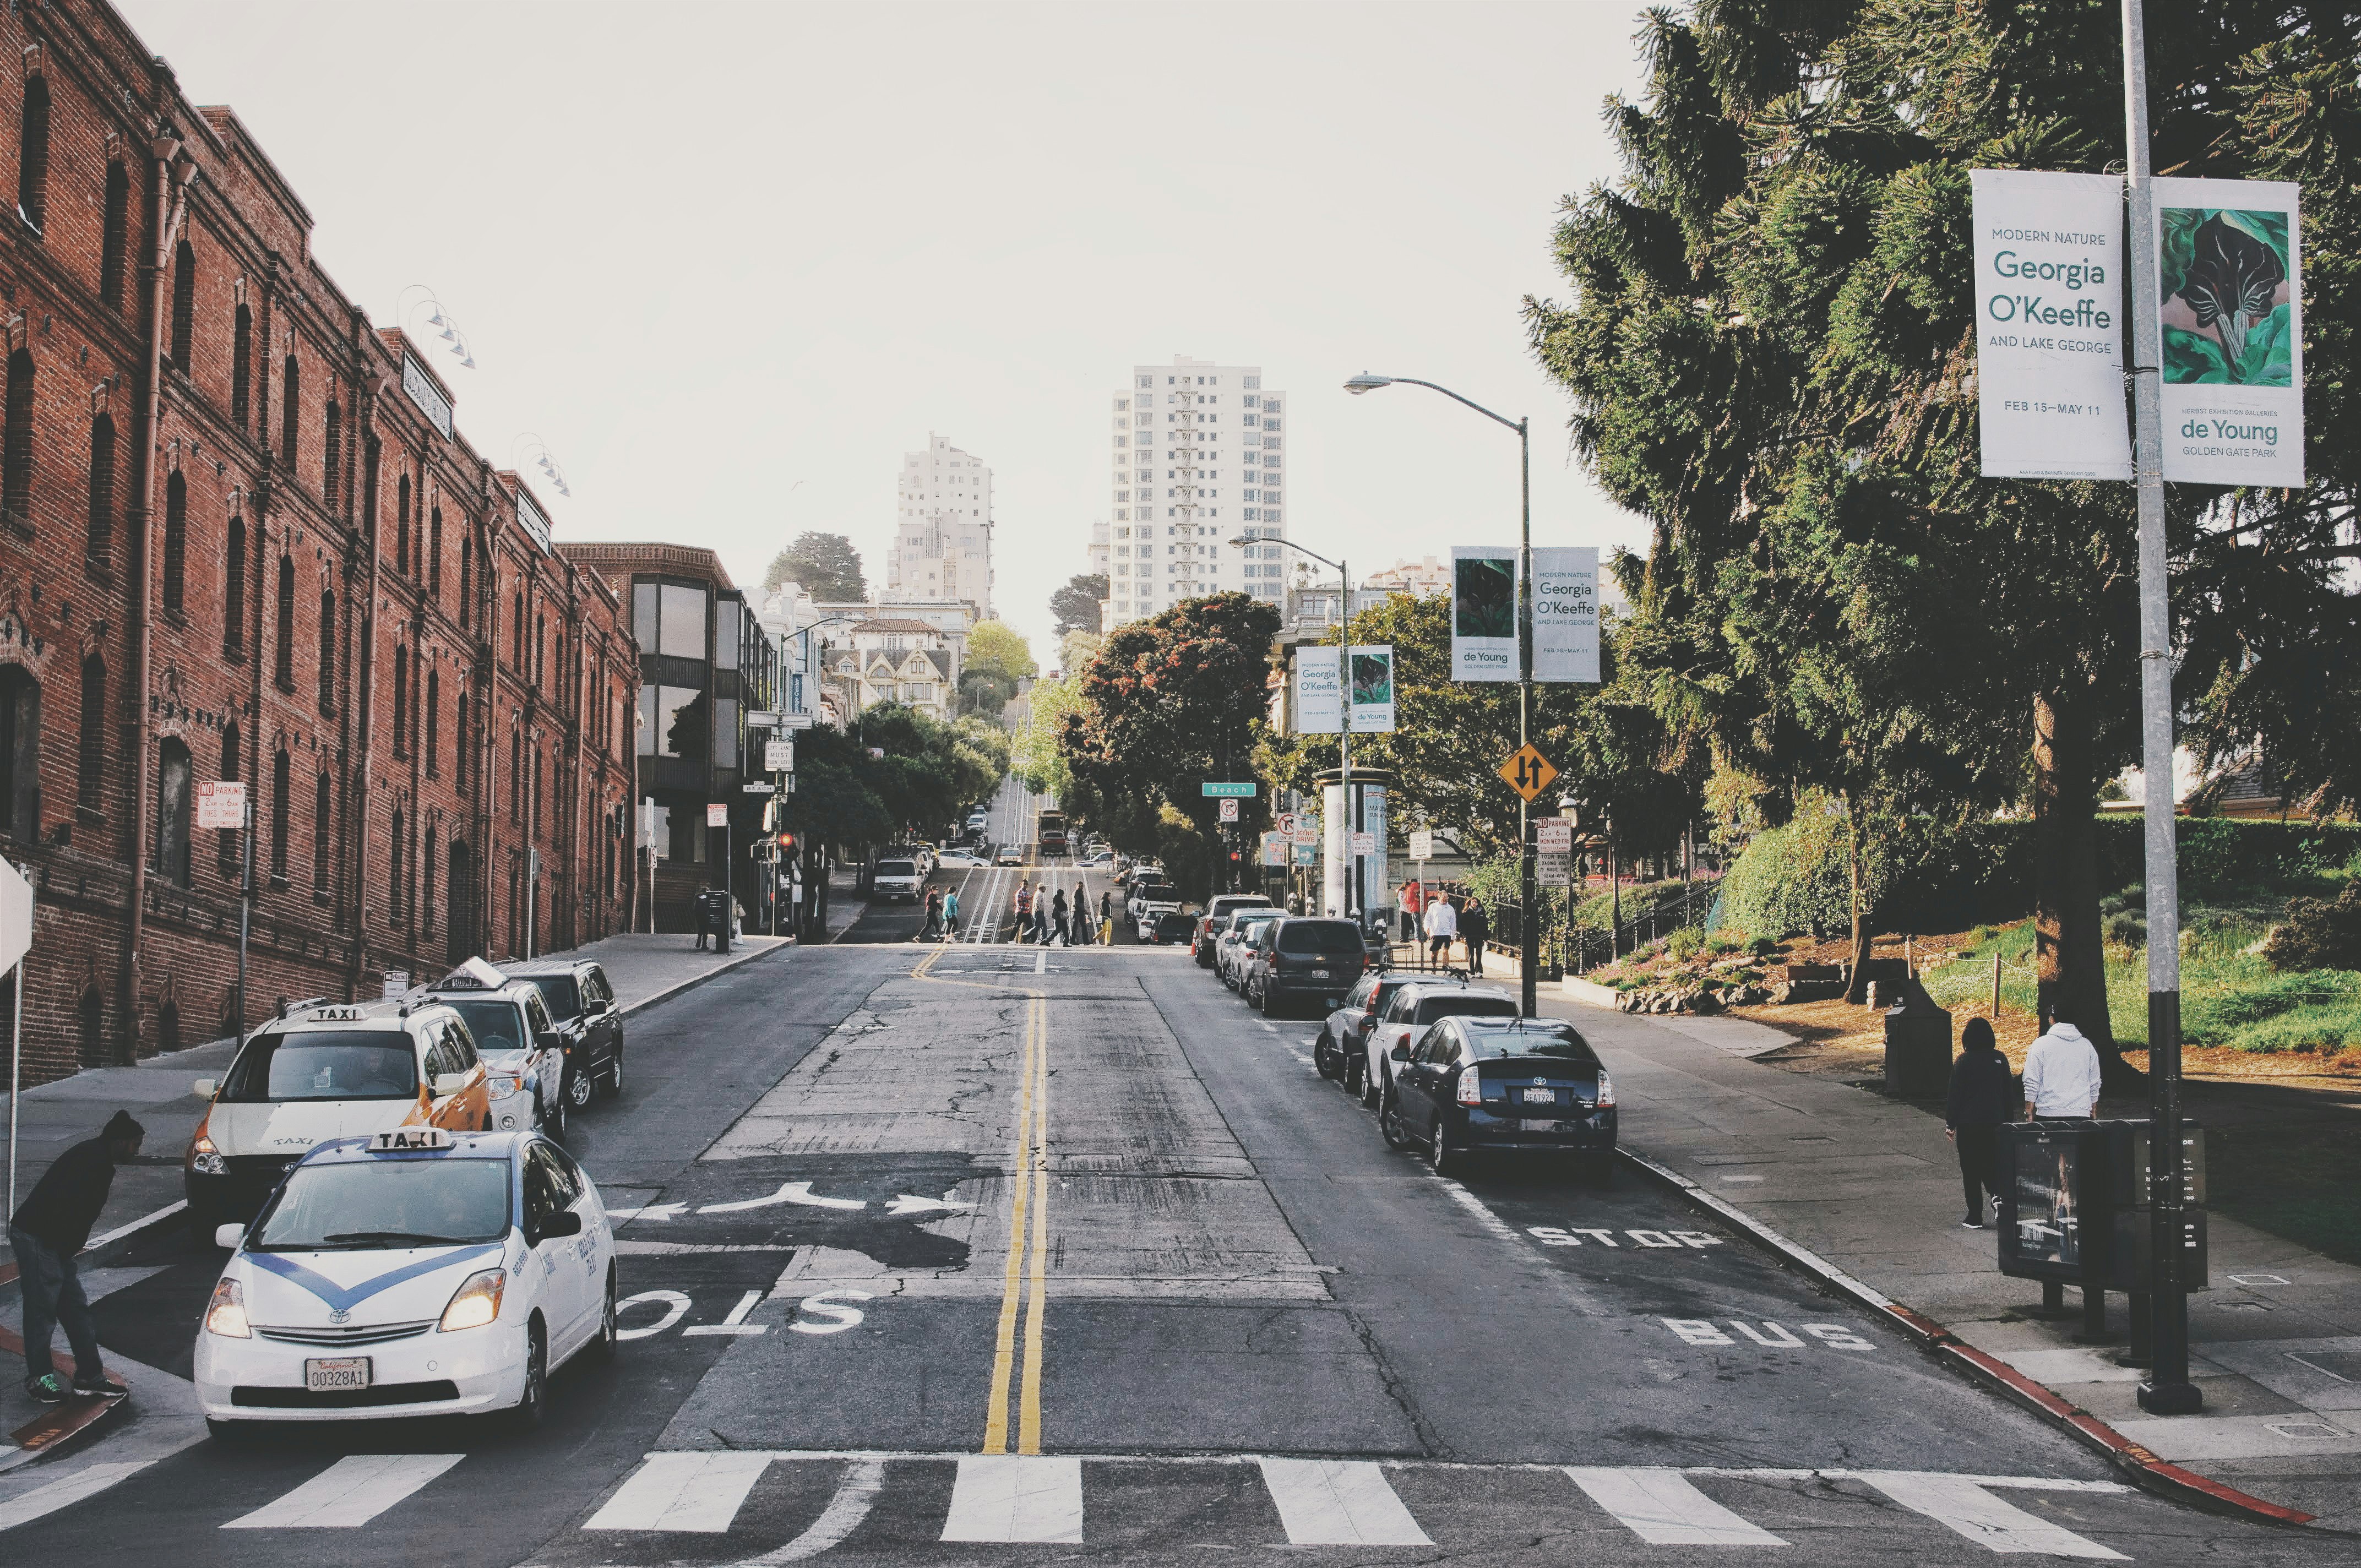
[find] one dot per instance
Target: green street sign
(1211, 787)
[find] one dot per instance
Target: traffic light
(786, 842)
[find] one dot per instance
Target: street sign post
(1216, 787)
(1364, 844)
(221, 803)
(779, 756)
(1421, 844)
(1554, 867)
(1553, 835)
(1528, 771)
(794, 721)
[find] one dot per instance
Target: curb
(695, 980)
(2144, 1468)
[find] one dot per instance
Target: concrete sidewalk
(1871, 1186)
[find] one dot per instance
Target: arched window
(241, 369)
(397, 867)
(176, 542)
(322, 822)
(226, 838)
(90, 1020)
(90, 772)
(516, 660)
(184, 304)
(234, 592)
(401, 702)
(102, 488)
(434, 553)
(173, 813)
(16, 446)
(402, 526)
(168, 1028)
(433, 720)
(467, 582)
(279, 807)
(368, 487)
(115, 241)
(286, 666)
(33, 152)
(334, 455)
(426, 881)
(20, 753)
(327, 651)
(291, 413)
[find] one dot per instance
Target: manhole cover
(2303, 1429)
(2345, 1365)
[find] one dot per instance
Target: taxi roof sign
(410, 1140)
(473, 975)
(344, 1012)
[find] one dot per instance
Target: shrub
(2319, 933)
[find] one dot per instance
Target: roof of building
(895, 624)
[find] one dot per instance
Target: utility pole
(2167, 1391)
(1529, 915)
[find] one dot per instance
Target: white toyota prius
(416, 1272)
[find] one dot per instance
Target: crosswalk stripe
(1017, 1496)
(1664, 1507)
(349, 1493)
(700, 1492)
(49, 1499)
(1962, 1503)
(1338, 1502)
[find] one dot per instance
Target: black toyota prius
(1524, 1085)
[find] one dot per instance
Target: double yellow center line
(1024, 1286)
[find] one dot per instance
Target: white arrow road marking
(793, 1192)
(904, 1204)
(653, 1211)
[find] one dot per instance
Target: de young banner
(1566, 613)
(1373, 689)
(1319, 707)
(2229, 259)
(2049, 293)
(1483, 613)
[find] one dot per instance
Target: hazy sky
(729, 261)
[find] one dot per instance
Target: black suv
(583, 1005)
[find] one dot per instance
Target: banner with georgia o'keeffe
(2229, 259)
(1483, 613)
(2050, 325)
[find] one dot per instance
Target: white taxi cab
(318, 1073)
(412, 1273)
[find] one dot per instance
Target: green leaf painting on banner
(2226, 278)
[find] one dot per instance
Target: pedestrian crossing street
(671, 1498)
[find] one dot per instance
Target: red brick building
(240, 537)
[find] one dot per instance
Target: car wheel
(1446, 1160)
(580, 1087)
(1323, 1057)
(1265, 1006)
(614, 1074)
(1390, 1124)
(602, 1349)
(532, 1406)
(1373, 1090)
(1350, 1076)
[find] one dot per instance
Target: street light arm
(1413, 382)
(1242, 541)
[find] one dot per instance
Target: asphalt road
(1002, 1252)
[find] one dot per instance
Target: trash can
(713, 916)
(1918, 1045)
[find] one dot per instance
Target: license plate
(1539, 1096)
(1320, 974)
(327, 1376)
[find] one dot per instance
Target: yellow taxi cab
(321, 1071)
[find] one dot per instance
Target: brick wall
(326, 597)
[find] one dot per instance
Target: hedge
(1924, 876)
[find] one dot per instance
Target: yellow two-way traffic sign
(1528, 773)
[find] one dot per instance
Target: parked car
(1165, 929)
(959, 861)
(1239, 928)
(1303, 958)
(523, 1050)
(897, 879)
(1427, 999)
(1341, 1053)
(1210, 925)
(1473, 1085)
(582, 1000)
(1152, 896)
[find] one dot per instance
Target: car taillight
(1606, 1099)
(1471, 1086)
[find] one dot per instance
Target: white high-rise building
(1199, 459)
(942, 528)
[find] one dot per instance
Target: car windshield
(1319, 937)
(327, 1064)
(1464, 1006)
(386, 1202)
(897, 868)
(1542, 1041)
(1249, 929)
(564, 996)
(497, 1026)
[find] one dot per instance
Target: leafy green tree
(1771, 353)
(995, 648)
(1076, 604)
(827, 566)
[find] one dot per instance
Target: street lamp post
(1344, 697)
(1528, 893)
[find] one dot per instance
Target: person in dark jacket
(49, 1228)
(1982, 1094)
(1475, 930)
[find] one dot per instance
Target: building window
(402, 526)
(327, 651)
(369, 487)
(285, 668)
(434, 554)
(241, 368)
(516, 636)
(102, 488)
(335, 453)
(115, 241)
(20, 753)
(399, 869)
(176, 541)
(279, 805)
(91, 762)
(226, 838)
(16, 446)
(322, 817)
(466, 581)
(426, 877)
(401, 702)
(291, 426)
(433, 718)
(184, 304)
(33, 152)
(234, 592)
(173, 813)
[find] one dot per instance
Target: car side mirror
(229, 1237)
(450, 1082)
(550, 1040)
(206, 1088)
(1400, 1052)
(565, 1222)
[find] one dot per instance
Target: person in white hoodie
(2062, 1072)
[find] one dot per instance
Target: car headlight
(205, 1160)
(502, 1085)
(225, 1314)
(476, 1302)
